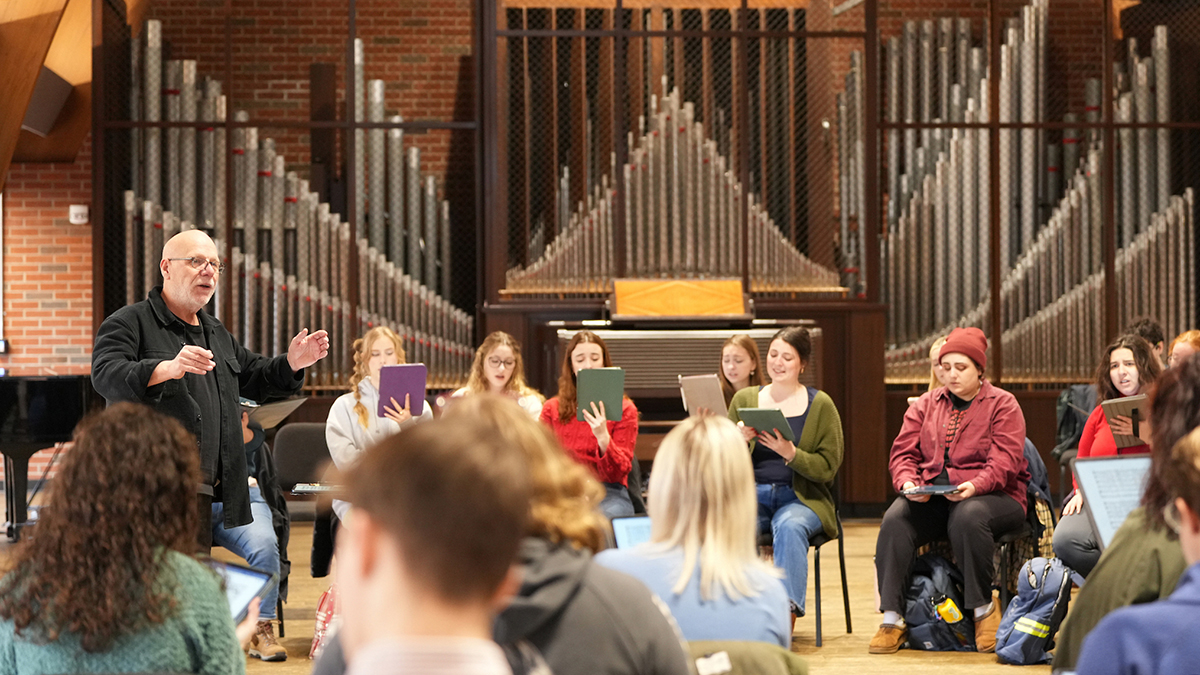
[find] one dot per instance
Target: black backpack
(934, 612)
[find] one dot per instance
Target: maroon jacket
(988, 450)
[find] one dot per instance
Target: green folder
(600, 384)
(766, 419)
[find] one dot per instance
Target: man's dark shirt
(203, 388)
(135, 339)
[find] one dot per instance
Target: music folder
(701, 392)
(1135, 408)
(269, 415)
(600, 384)
(397, 381)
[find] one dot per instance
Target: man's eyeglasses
(496, 362)
(200, 263)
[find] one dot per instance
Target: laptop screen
(1111, 487)
(631, 530)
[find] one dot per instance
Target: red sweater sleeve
(580, 443)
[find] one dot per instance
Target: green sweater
(197, 638)
(1140, 565)
(818, 454)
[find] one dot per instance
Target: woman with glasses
(1144, 561)
(498, 369)
(1160, 637)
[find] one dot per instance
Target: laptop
(631, 530)
(1111, 487)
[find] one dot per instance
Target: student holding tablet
(1128, 368)
(603, 446)
(108, 583)
(354, 422)
(968, 436)
(793, 477)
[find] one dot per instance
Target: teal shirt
(197, 638)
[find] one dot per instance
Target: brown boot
(985, 629)
(264, 646)
(889, 638)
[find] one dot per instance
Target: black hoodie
(587, 619)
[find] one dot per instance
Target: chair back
(300, 453)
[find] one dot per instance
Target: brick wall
(47, 273)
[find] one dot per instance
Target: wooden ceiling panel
(27, 29)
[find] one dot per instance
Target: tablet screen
(1111, 487)
(631, 530)
(242, 584)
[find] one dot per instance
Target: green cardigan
(1140, 565)
(818, 454)
(198, 637)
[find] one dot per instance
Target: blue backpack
(934, 612)
(1027, 630)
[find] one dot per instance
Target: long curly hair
(566, 379)
(1174, 411)
(123, 497)
(362, 354)
(564, 494)
(756, 376)
(516, 386)
(1143, 354)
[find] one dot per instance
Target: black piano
(36, 413)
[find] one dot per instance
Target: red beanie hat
(970, 342)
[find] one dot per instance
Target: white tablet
(1111, 488)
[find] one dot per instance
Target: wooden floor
(840, 653)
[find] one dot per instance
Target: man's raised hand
(306, 349)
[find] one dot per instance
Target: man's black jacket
(136, 338)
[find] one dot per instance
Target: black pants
(971, 526)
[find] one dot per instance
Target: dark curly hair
(1174, 412)
(123, 497)
(1148, 366)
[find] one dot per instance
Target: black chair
(300, 453)
(766, 539)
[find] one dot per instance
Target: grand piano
(36, 413)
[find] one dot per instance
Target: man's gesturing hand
(190, 359)
(307, 349)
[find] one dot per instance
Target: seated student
(740, 366)
(970, 435)
(424, 554)
(258, 542)
(499, 369)
(1160, 637)
(1149, 330)
(353, 424)
(1183, 346)
(604, 447)
(1143, 562)
(702, 557)
(584, 618)
(1127, 368)
(107, 583)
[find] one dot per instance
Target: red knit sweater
(580, 443)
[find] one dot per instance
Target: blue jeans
(792, 526)
(616, 501)
(256, 543)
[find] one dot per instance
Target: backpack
(1074, 405)
(934, 610)
(1027, 630)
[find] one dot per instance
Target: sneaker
(985, 630)
(264, 646)
(889, 638)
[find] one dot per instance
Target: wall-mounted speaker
(49, 95)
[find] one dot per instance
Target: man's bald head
(187, 289)
(184, 244)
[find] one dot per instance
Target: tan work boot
(985, 629)
(889, 638)
(264, 646)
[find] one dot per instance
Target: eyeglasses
(496, 362)
(200, 263)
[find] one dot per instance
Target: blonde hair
(362, 354)
(702, 498)
(756, 376)
(477, 384)
(934, 382)
(564, 498)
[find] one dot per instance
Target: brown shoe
(888, 639)
(985, 629)
(264, 646)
